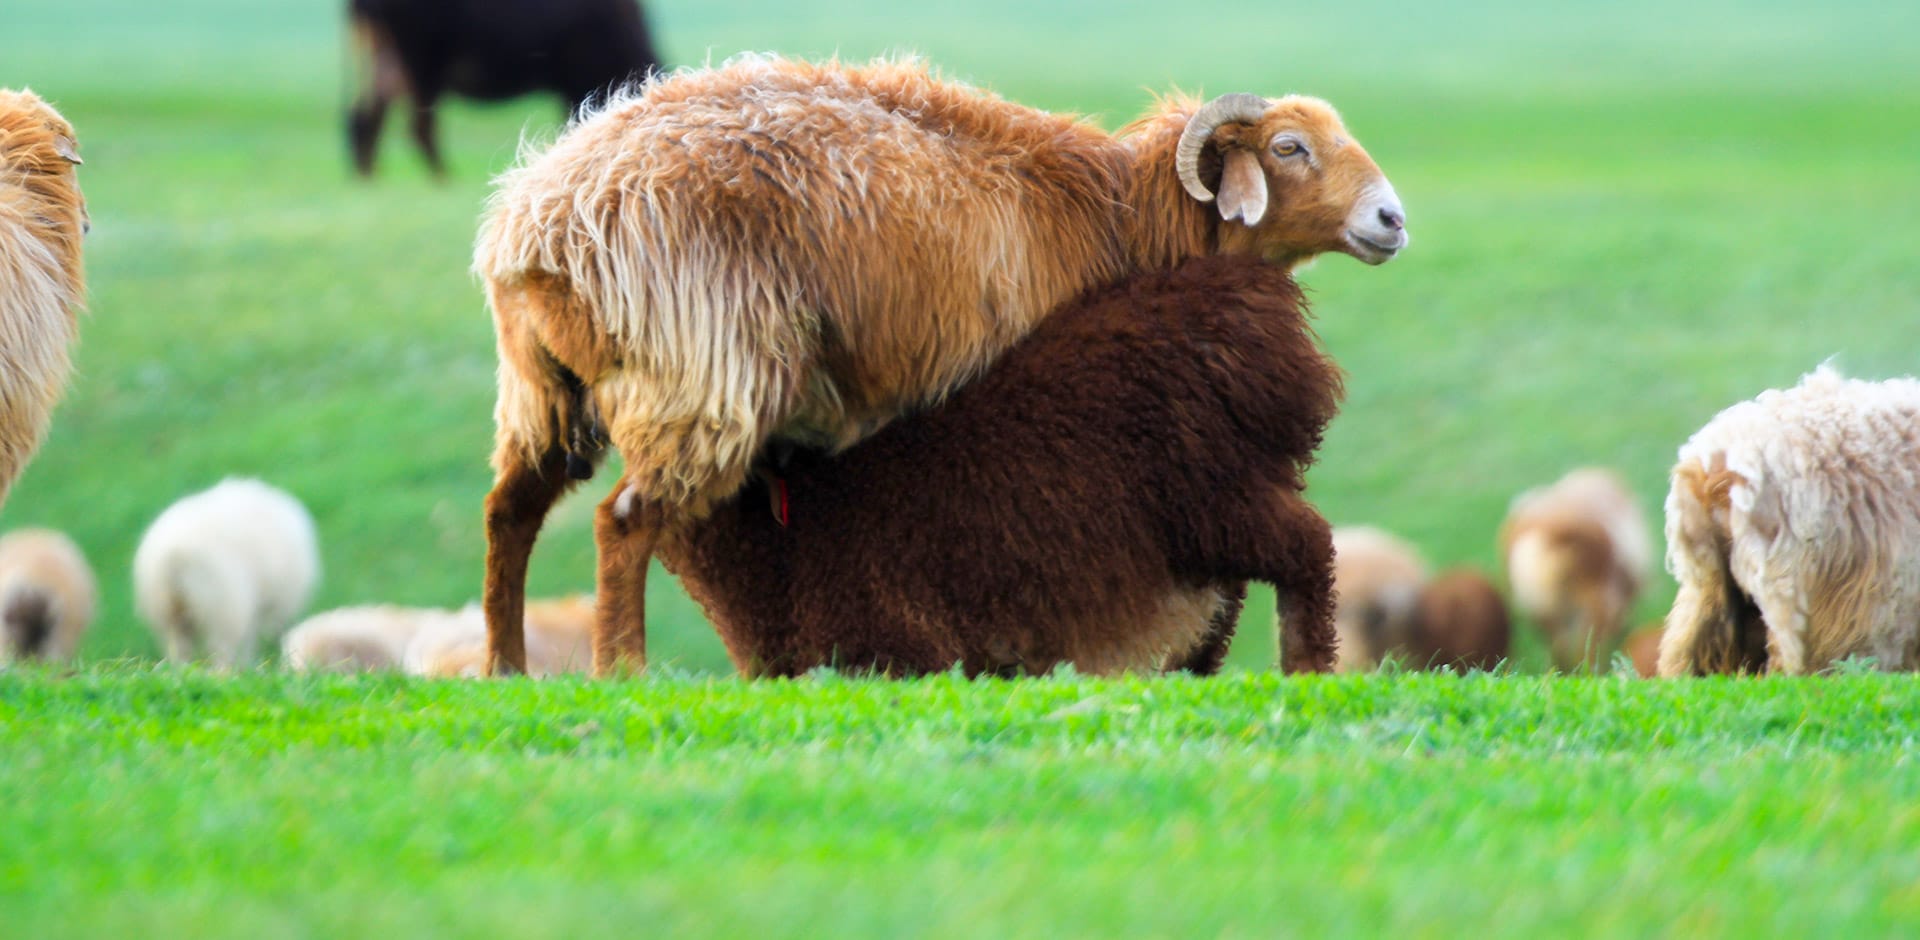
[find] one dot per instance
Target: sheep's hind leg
(626, 530)
(516, 508)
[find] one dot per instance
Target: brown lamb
(1099, 497)
(1460, 622)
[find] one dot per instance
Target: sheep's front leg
(627, 530)
(1278, 537)
(516, 508)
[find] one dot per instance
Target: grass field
(1623, 219)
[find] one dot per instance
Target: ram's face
(1293, 183)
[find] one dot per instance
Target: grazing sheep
(785, 251)
(1642, 646)
(357, 639)
(1578, 553)
(1377, 578)
(489, 50)
(558, 641)
(1099, 497)
(42, 285)
(1460, 622)
(47, 595)
(221, 569)
(1793, 527)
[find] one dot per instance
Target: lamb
(224, 568)
(47, 596)
(1460, 622)
(42, 283)
(1099, 497)
(1578, 553)
(488, 50)
(792, 253)
(1377, 577)
(557, 641)
(1793, 527)
(371, 638)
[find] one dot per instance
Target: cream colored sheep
(1376, 580)
(358, 639)
(559, 640)
(224, 568)
(47, 595)
(1793, 527)
(1578, 553)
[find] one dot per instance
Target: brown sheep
(786, 250)
(1377, 577)
(1578, 553)
(47, 595)
(1099, 497)
(1793, 527)
(42, 218)
(1460, 622)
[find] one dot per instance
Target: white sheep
(221, 569)
(1578, 553)
(1793, 527)
(47, 595)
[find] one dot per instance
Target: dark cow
(487, 50)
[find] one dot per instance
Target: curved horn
(1200, 127)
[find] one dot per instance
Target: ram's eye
(1288, 147)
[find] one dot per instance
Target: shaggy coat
(47, 596)
(1578, 553)
(1460, 622)
(1099, 497)
(559, 634)
(1377, 578)
(778, 249)
(42, 218)
(1793, 527)
(490, 50)
(224, 568)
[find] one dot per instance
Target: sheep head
(1293, 183)
(39, 146)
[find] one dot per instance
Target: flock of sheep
(906, 376)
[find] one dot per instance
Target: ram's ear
(1243, 188)
(67, 148)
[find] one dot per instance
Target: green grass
(176, 805)
(1624, 218)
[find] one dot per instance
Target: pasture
(1623, 219)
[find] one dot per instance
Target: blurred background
(1625, 217)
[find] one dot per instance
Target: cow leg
(626, 530)
(426, 133)
(363, 130)
(516, 508)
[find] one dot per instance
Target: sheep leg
(626, 530)
(1278, 537)
(516, 508)
(1207, 656)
